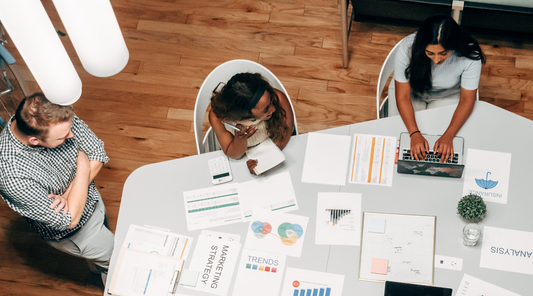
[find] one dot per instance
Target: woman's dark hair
(443, 30)
(232, 102)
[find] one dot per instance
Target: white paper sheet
(338, 219)
(260, 273)
(215, 260)
(471, 286)
(278, 233)
(407, 243)
(487, 175)
(506, 249)
(372, 160)
(267, 155)
(212, 206)
(143, 274)
(157, 241)
(301, 282)
(274, 193)
(231, 237)
(326, 159)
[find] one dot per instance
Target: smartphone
(220, 170)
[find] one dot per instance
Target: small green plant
(472, 208)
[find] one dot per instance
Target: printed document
(273, 193)
(326, 159)
(338, 219)
(307, 282)
(212, 206)
(215, 260)
(507, 249)
(276, 232)
(157, 241)
(260, 273)
(138, 273)
(372, 160)
(487, 175)
(471, 286)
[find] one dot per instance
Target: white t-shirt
(447, 78)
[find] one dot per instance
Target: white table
(153, 195)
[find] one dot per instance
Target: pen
(233, 127)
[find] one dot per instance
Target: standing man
(48, 160)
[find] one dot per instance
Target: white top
(447, 78)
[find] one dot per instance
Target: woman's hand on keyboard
(419, 147)
(444, 148)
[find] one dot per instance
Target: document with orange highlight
(372, 160)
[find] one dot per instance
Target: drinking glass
(471, 234)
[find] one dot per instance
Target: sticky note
(379, 266)
(376, 225)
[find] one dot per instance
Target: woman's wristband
(413, 133)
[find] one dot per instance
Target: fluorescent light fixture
(93, 29)
(36, 39)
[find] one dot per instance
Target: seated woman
(439, 65)
(259, 111)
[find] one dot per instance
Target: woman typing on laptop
(438, 65)
(247, 111)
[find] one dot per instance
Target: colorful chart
(289, 233)
(338, 217)
(312, 292)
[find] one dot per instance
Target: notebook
(267, 155)
(432, 165)
(403, 289)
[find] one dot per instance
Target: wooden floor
(145, 113)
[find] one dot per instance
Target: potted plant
(472, 208)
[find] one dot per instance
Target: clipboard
(141, 273)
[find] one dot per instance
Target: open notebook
(267, 155)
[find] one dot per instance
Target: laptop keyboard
(430, 157)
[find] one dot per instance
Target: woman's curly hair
(232, 103)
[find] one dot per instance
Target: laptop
(432, 165)
(403, 289)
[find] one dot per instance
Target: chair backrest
(386, 71)
(223, 73)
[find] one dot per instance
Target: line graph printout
(212, 206)
(372, 160)
(338, 219)
(471, 286)
(398, 248)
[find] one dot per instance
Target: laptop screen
(403, 289)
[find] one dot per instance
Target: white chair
(386, 71)
(223, 73)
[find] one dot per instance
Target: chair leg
(344, 32)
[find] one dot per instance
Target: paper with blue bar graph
(338, 219)
(301, 282)
(212, 206)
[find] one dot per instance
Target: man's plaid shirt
(28, 174)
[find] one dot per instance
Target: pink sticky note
(379, 266)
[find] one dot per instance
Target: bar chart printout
(338, 217)
(301, 282)
(212, 206)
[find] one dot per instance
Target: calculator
(220, 170)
